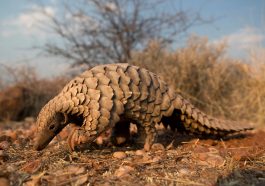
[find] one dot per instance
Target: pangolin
(113, 95)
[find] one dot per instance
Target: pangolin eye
(51, 127)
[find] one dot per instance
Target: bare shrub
(218, 85)
(107, 31)
(26, 93)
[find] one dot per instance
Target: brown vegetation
(26, 93)
(202, 73)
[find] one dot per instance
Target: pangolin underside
(112, 96)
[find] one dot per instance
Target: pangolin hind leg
(174, 121)
(150, 137)
(146, 135)
(121, 133)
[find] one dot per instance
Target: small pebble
(215, 160)
(139, 152)
(157, 147)
(120, 140)
(29, 119)
(99, 140)
(11, 134)
(123, 171)
(202, 156)
(130, 152)
(4, 145)
(200, 149)
(3, 156)
(146, 158)
(184, 171)
(4, 181)
(1, 153)
(156, 159)
(119, 155)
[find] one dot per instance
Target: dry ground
(185, 160)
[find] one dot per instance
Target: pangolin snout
(42, 140)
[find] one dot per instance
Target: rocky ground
(175, 160)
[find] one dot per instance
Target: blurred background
(211, 51)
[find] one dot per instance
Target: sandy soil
(176, 159)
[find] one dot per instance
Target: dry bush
(220, 86)
(26, 93)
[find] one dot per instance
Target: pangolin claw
(72, 140)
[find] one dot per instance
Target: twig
(188, 182)
(223, 143)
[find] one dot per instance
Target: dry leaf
(32, 167)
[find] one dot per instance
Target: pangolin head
(49, 123)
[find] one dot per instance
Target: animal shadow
(243, 177)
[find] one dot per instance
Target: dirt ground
(175, 160)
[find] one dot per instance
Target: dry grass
(220, 86)
(24, 93)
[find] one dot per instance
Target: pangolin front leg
(150, 132)
(146, 136)
(72, 139)
(78, 136)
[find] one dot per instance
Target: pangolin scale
(113, 95)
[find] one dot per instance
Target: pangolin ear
(65, 121)
(62, 117)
